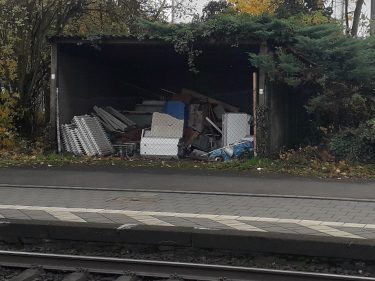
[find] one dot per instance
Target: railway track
(139, 270)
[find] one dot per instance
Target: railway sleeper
(33, 273)
(128, 278)
(77, 276)
(28, 274)
(175, 277)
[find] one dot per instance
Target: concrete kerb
(13, 231)
(156, 235)
(279, 243)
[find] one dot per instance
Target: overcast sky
(200, 4)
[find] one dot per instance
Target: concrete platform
(170, 179)
(237, 211)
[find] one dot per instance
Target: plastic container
(179, 110)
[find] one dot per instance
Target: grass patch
(303, 167)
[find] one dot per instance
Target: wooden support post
(255, 105)
(262, 77)
(53, 100)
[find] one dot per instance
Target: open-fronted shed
(122, 72)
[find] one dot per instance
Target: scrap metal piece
(213, 124)
(119, 116)
(110, 120)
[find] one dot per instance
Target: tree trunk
(346, 15)
(357, 16)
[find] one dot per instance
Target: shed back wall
(79, 79)
(113, 76)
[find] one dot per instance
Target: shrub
(355, 144)
(8, 113)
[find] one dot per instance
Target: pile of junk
(187, 125)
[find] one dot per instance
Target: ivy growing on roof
(321, 53)
(224, 28)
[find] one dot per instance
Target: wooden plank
(213, 125)
(211, 100)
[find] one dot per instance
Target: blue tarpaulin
(226, 152)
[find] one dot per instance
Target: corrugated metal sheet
(85, 136)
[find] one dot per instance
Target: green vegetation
(25, 53)
(333, 71)
(306, 49)
(296, 163)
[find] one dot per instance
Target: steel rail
(162, 269)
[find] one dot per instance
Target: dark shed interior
(123, 73)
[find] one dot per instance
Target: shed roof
(125, 39)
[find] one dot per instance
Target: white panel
(235, 127)
(165, 125)
(158, 146)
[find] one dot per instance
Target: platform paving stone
(182, 223)
(120, 219)
(39, 215)
(213, 211)
(93, 217)
(14, 214)
(208, 223)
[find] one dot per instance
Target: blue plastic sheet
(220, 152)
(237, 150)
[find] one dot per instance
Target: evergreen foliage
(355, 145)
(320, 53)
